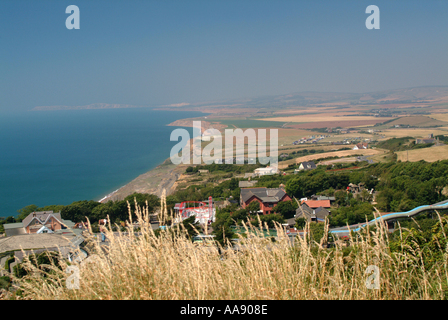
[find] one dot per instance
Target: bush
(5, 282)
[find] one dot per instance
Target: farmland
(431, 154)
(344, 153)
(371, 117)
(415, 121)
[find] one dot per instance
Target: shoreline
(164, 175)
(154, 181)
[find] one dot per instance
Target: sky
(161, 52)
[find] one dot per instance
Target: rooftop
(264, 194)
(317, 203)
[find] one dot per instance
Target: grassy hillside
(401, 144)
(169, 266)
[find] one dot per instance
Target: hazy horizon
(152, 53)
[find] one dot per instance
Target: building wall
(51, 224)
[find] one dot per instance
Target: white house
(361, 146)
(266, 171)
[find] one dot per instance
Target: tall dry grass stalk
(150, 266)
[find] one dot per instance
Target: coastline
(163, 176)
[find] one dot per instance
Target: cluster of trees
(116, 210)
(315, 181)
(233, 216)
(226, 189)
(404, 186)
(400, 186)
(93, 210)
(423, 238)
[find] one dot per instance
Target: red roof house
(313, 204)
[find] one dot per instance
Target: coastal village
(324, 190)
(42, 231)
(215, 156)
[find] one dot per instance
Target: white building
(266, 171)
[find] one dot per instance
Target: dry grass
(344, 153)
(440, 116)
(410, 132)
(430, 154)
(419, 121)
(163, 267)
(324, 117)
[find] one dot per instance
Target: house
(266, 171)
(360, 146)
(310, 165)
(355, 188)
(266, 197)
(39, 222)
(314, 204)
(425, 141)
(332, 199)
(317, 214)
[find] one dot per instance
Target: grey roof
(12, 225)
(14, 229)
(41, 216)
(304, 211)
(326, 198)
(264, 194)
(33, 241)
(309, 165)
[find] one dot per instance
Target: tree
(286, 208)
(269, 219)
(253, 207)
(190, 226)
(317, 231)
(24, 212)
(223, 235)
(300, 223)
(233, 184)
(79, 210)
(142, 198)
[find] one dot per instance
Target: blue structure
(396, 215)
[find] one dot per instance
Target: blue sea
(58, 157)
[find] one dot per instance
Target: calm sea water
(57, 157)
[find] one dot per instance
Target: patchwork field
(413, 132)
(328, 120)
(345, 153)
(326, 117)
(429, 154)
(416, 121)
(440, 116)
